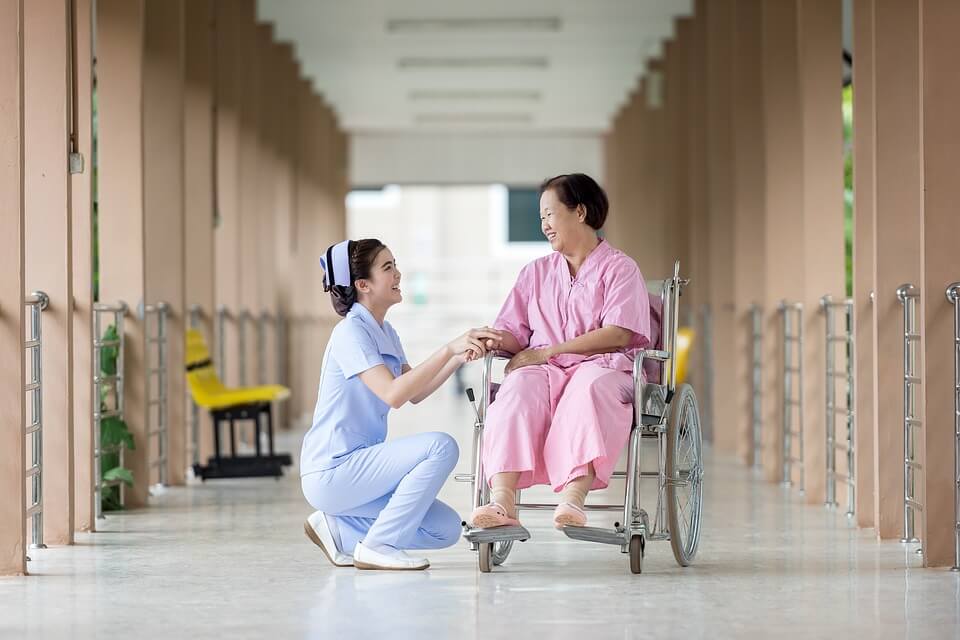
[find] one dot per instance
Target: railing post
(35, 304)
(262, 321)
(831, 407)
(159, 400)
(100, 382)
(756, 317)
(792, 342)
(908, 295)
(222, 314)
(953, 295)
(826, 303)
(196, 313)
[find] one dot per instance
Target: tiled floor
(230, 559)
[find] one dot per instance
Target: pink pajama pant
(550, 423)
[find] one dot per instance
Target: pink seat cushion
(651, 368)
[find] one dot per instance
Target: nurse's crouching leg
(439, 529)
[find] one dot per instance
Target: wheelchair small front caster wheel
(483, 554)
(636, 554)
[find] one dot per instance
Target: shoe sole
(568, 521)
(485, 521)
(365, 566)
(315, 539)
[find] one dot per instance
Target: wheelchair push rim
(684, 475)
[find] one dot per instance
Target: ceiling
(449, 65)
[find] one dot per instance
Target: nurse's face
(561, 225)
(383, 286)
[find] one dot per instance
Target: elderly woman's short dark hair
(575, 189)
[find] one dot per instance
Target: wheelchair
(667, 417)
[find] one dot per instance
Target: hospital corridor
(423, 319)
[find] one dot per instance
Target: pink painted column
(941, 245)
(864, 258)
(49, 247)
(12, 441)
(81, 125)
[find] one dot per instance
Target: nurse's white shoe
(395, 560)
(318, 531)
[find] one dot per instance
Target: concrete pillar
(941, 241)
(248, 208)
(82, 222)
(720, 100)
(699, 271)
(749, 244)
(898, 238)
(163, 208)
(228, 71)
(285, 207)
(783, 140)
(864, 244)
(199, 167)
(266, 215)
(49, 247)
(823, 226)
(12, 441)
(120, 151)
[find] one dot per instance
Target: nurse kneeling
(375, 498)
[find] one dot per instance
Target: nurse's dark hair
(575, 189)
(362, 255)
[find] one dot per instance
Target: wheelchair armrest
(654, 354)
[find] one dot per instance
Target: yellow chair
(232, 404)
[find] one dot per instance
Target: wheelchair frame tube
(953, 296)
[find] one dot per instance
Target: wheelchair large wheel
(684, 474)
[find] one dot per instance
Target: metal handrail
(707, 404)
(158, 399)
(909, 295)
(953, 296)
(792, 342)
(829, 307)
(103, 383)
(195, 314)
(35, 304)
(281, 341)
(756, 318)
(263, 319)
(222, 314)
(242, 318)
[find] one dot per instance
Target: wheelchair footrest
(497, 534)
(597, 534)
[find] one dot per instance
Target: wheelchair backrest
(664, 307)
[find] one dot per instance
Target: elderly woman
(574, 320)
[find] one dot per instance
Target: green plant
(114, 433)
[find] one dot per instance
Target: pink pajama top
(547, 306)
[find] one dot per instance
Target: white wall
(458, 159)
(450, 245)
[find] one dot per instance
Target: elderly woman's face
(559, 224)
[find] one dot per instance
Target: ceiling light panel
(415, 63)
(520, 95)
(473, 118)
(473, 25)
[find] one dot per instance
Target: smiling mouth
(551, 236)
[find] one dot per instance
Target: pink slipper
(568, 514)
(492, 515)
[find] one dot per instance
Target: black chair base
(243, 467)
(234, 465)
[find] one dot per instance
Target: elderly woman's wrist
(549, 352)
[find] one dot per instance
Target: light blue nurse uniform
(382, 493)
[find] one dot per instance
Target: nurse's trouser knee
(385, 494)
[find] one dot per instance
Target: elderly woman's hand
(527, 358)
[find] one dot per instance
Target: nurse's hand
(468, 346)
(527, 358)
